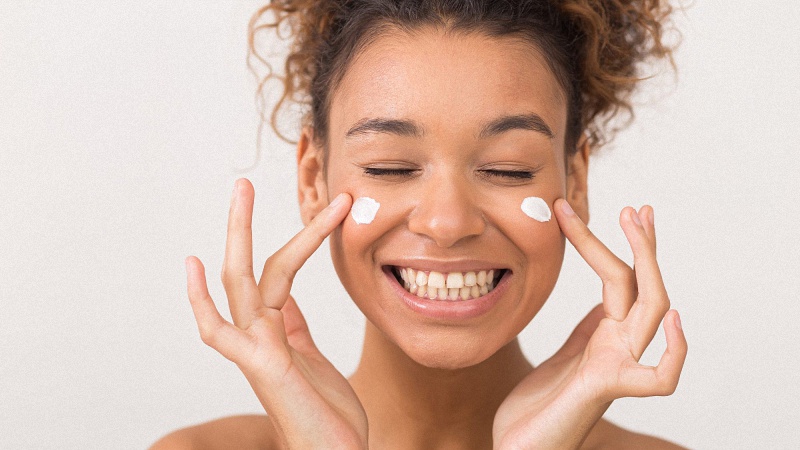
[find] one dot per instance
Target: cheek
(354, 247)
(373, 215)
(541, 244)
(512, 213)
(353, 243)
(525, 215)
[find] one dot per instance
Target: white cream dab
(364, 210)
(536, 209)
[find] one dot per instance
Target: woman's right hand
(310, 403)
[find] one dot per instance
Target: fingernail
(567, 209)
(651, 217)
(337, 201)
(678, 320)
(635, 217)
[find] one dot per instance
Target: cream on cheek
(536, 208)
(364, 210)
(536, 237)
(505, 211)
(531, 235)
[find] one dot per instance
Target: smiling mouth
(452, 286)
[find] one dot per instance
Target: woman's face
(476, 125)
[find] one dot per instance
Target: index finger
(282, 266)
(618, 278)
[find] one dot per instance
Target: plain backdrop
(123, 126)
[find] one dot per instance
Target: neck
(409, 405)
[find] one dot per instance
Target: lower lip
(450, 310)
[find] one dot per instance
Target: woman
(459, 133)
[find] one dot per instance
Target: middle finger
(652, 302)
(237, 267)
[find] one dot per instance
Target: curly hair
(595, 48)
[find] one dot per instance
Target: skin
(450, 204)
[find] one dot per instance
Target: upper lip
(460, 265)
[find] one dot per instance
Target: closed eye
(512, 174)
(388, 172)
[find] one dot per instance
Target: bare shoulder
(606, 435)
(250, 432)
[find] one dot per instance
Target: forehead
(447, 81)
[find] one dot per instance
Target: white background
(122, 125)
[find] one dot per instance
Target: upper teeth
(449, 286)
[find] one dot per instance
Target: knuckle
(621, 275)
(230, 274)
(668, 386)
(208, 335)
(272, 259)
(286, 272)
(630, 274)
(626, 275)
(663, 304)
(225, 274)
(229, 284)
(657, 301)
(314, 234)
(667, 380)
(270, 263)
(277, 267)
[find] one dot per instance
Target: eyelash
(511, 174)
(380, 171)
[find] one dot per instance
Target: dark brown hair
(594, 47)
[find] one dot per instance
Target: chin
(449, 350)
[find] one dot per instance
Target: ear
(312, 193)
(577, 180)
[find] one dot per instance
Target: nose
(446, 212)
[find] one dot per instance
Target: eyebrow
(409, 128)
(400, 127)
(530, 121)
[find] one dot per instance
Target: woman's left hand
(557, 405)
